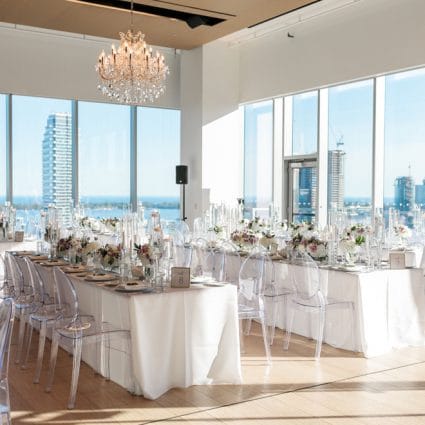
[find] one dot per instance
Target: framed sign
(397, 260)
(180, 277)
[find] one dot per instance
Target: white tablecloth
(179, 338)
(389, 309)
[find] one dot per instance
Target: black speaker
(181, 174)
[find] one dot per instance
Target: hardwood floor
(340, 389)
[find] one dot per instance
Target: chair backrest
(251, 281)
(305, 278)
(209, 261)
(16, 277)
(231, 262)
(198, 227)
(48, 283)
(183, 228)
(6, 323)
(67, 296)
(28, 283)
(8, 277)
(39, 282)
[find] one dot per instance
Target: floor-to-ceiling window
(3, 99)
(258, 166)
(304, 123)
(104, 158)
(350, 150)
(158, 153)
(41, 140)
(404, 178)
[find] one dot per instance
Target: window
(41, 156)
(304, 123)
(404, 175)
(3, 100)
(258, 170)
(158, 153)
(104, 159)
(351, 150)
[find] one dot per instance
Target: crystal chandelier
(132, 73)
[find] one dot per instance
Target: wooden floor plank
(342, 388)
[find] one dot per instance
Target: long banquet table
(389, 309)
(180, 337)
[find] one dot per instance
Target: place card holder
(397, 260)
(180, 277)
(19, 236)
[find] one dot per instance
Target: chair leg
(53, 358)
(28, 346)
(320, 329)
(287, 339)
(353, 328)
(248, 323)
(241, 336)
(274, 319)
(77, 347)
(22, 323)
(266, 343)
(106, 356)
(40, 354)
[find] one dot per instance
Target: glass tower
(57, 164)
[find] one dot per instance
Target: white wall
(47, 64)
(211, 139)
(367, 38)
(222, 132)
(191, 129)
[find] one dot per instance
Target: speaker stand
(184, 218)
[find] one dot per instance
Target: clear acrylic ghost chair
(6, 290)
(45, 316)
(275, 293)
(25, 298)
(73, 329)
(251, 294)
(198, 227)
(231, 263)
(182, 252)
(309, 298)
(208, 261)
(183, 228)
(6, 325)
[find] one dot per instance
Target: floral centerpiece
(65, 244)
(353, 239)
(111, 223)
(144, 253)
(305, 238)
(218, 230)
(90, 223)
(402, 231)
(256, 225)
(268, 240)
(357, 233)
(88, 247)
(110, 255)
(244, 238)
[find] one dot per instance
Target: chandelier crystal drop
(132, 73)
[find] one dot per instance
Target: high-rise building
(336, 179)
(57, 164)
(307, 197)
(404, 193)
(420, 194)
